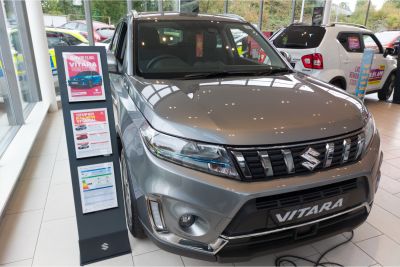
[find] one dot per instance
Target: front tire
(387, 90)
(131, 211)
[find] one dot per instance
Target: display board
(93, 152)
(365, 69)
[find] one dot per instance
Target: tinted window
(177, 48)
(351, 42)
(71, 40)
(85, 73)
(300, 37)
(55, 39)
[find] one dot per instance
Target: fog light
(186, 220)
(156, 215)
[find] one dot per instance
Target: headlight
(203, 157)
(369, 130)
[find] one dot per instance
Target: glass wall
(19, 90)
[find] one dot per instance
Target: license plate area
(308, 211)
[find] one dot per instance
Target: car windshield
(387, 37)
(190, 49)
(85, 73)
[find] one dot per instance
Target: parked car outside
(388, 38)
(85, 79)
(101, 31)
(333, 54)
(224, 156)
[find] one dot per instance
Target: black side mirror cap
(388, 51)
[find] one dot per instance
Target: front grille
(256, 214)
(271, 162)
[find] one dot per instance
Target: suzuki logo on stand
(104, 246)
(307, 211)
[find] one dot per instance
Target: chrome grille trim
(297, 144)
(287, 155)
(346, 151)
(360, 144)
(329, 149)
(242, 163)
(266, 163)
(364, 205)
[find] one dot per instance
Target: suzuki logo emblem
(311, 159)
(104, 246)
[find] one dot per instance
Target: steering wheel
(159, 58)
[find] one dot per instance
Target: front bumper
(218, 200)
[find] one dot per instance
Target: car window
(70, 25)
(248, 48)
(71, 40)
(299, 37)
(55, 39)
(113, 44)
(120, 50)
(82, 27)
(177, 48)
(351, 42)
(369, 42)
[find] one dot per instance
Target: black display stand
(396, 93)
(102, 234)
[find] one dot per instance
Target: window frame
(340, 35)
(381, 50)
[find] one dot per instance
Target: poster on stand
(91, 132)
(84, 76)
(97, 186)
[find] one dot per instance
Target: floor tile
(29, 195)
(347, 254)
(365, 231)
(141, 246)
(57, 244)
(45, 147)
(195, 262)
(157, 258)
(18, 235)
(38, 168)
(61, 173)
(383, 249)
(304, 251)
(60, 203)
(124, 260)
(62, 153)
(390, 170)
(26, 263)
(389, 184)
(388, 202)
(267, 260)
(385, 222)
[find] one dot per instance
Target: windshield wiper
(214, 74)
(273, 71)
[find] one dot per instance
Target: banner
(365, 68)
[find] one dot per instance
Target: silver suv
(226, 151)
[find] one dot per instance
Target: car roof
(187, 16)
(337, 27)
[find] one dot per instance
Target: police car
(333, 54)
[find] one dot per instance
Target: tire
(387, 90)
(131, 212)
(338, 84)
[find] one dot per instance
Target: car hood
(249, 111)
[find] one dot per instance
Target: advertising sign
(91, 132)
(84, 76)
(365, 69)
(97, 184)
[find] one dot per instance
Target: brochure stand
(93, 152)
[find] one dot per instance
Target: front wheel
(388, 88)
(131, 211)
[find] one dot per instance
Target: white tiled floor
(39, 226)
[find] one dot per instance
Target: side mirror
(388, 51)
(286, 55)
(112, 63)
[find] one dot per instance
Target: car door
(377, 75)
(350, 54)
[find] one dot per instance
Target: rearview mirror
(112, 63)
(286, 55)
(388, 51)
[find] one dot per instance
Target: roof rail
(348, 24)
(233, 16)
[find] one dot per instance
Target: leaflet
(84, 76)
(97, 187)
(91, 132)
